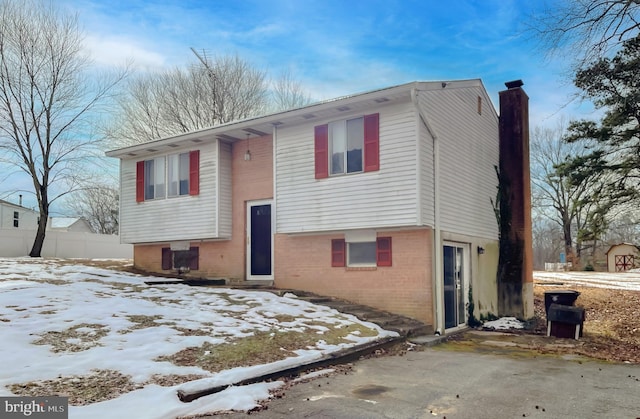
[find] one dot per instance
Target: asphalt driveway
(439, 383)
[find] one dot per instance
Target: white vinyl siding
(179, 218)
(224, 191)
(377, 199)
(469, 151)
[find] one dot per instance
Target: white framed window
(361, 254)
(16, 219)
(154, 178)
(168, 176)
(178, 174)
(346, 145)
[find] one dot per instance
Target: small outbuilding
(623, 257)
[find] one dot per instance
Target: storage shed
(623, 257)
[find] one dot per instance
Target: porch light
(247, 154)
(480, 250)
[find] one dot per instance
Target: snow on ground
(40, 296)
(614, 280)
(504, 323)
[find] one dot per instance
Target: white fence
(64, 244)
(557, 267)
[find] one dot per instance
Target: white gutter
(274, 199)
(437, 271)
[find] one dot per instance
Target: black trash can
(563, 297)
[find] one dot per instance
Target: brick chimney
(515, 266)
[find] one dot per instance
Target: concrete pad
(426, 340)
(438, 383)
(484, 333)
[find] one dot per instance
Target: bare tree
(98, 203)
(554, 193)
(547, 241)
(288, 93)
(175, 101)
(586, 28)
(46, 100)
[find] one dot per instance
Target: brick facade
(304, 263)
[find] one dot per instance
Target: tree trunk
(36, 249)
(38, 242)
(568, 242)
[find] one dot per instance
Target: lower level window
(180, 260)
(361, 254)
(376, 253)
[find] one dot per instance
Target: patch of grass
(143, 321)
(284, 318)
(170, 380)
(260, 348)
(73, 339)
(99, 386)
(193, 332)
(49, 281)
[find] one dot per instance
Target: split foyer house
(382, 198)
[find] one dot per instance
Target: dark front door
(454, 301)
(260, 239)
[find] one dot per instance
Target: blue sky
(336, 47)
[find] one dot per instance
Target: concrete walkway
(445, 383)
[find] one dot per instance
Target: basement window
(181, 261)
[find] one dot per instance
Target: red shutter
(383, 251)
(194, 172)
(321, 143)
(167, 263)
(338, 258)
(194, 262)
(371, 142)
(140, 181)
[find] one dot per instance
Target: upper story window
(346, 141)
(154, 178)
(347, 146)
(178, 174)
(173, 175)
(16, 219)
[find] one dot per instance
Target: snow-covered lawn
(613, 280)
(71, 324)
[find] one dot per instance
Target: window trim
(193, 177)
(370, 147)
(383, 256)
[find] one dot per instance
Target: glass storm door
(259, 240)
(454, 286)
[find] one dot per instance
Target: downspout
(436, 266)
(274, 203)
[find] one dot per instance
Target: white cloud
(114, 51)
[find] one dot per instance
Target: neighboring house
(623, 257)
(15, 216)
(65, 238)
(382, 198)
(79, 225)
